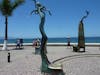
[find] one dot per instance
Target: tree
(6, 8)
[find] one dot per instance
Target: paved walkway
(25, 62)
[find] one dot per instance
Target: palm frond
(5, 7)
(17, 3)
(0, 6)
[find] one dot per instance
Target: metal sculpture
(81, 37)
(40, 9)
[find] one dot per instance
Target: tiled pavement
(25, 62)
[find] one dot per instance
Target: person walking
(18, 43)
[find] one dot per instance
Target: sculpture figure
(40, 10)
(81, 38)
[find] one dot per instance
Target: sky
(64, 22)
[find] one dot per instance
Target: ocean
(57, 40)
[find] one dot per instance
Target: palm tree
(6, 8)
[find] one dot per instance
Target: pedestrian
(68, 41)
(18, 43)
(37, 46)
(21, 43)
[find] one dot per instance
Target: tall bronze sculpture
(40, 10)
(81, 37)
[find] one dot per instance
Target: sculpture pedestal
(77, 49)
(55, 69)
(37, 50)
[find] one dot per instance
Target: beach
(25, 62)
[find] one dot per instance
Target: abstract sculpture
(45, 67)
(81, 38)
